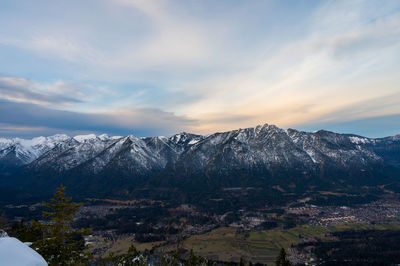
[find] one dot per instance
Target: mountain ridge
(263, 156)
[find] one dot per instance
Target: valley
(252, 234)
(241, 194)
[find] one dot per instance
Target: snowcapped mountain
(268, 154)
(18, 151)
(73, 152)
(130, 153)
(261, 155)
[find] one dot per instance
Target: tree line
(60, 243)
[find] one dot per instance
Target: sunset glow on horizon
(160, 67)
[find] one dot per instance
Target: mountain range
(265, 156)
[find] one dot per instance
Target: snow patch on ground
(311, 153)
(193, 141)
(14, 252)
(358, 140)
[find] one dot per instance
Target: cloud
(55, 45)
(316, 76)
(376, 107)
(171, 40)
(220, 65)
(384, 125)
(376, 117)
(24, 90)
(17, 118)
(67, 49)
(373, 37)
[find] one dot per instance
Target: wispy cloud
(17, 117)
(221, 65)
(383, 125)
(319, 75)
(172, 41)
(24, 90)
(58, 46)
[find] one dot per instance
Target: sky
(150, 68)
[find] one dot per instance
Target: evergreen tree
(194, 260)
(132, 258)
(170, 260)
(3, 222)
(27, 233)
(281, 260)
(62, 244)
(18, 230)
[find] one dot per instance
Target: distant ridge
(262, 156)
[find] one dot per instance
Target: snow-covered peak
(179, 137)
(49, 141)
(83, 138)
(258, 129)
(4, 143)
(35, 141)
(185, 138)
(133, 138)
(59, 137)
(91, 137)
(27, 150)
(104, 137)
(264, 142)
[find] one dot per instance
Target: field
(121, 246)
(229, 244)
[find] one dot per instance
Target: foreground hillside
(261, 159)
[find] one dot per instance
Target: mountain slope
(17, 152)
(264, 156)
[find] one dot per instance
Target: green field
(229, 244)
(121, 246)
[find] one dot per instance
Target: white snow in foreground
(14, 252)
